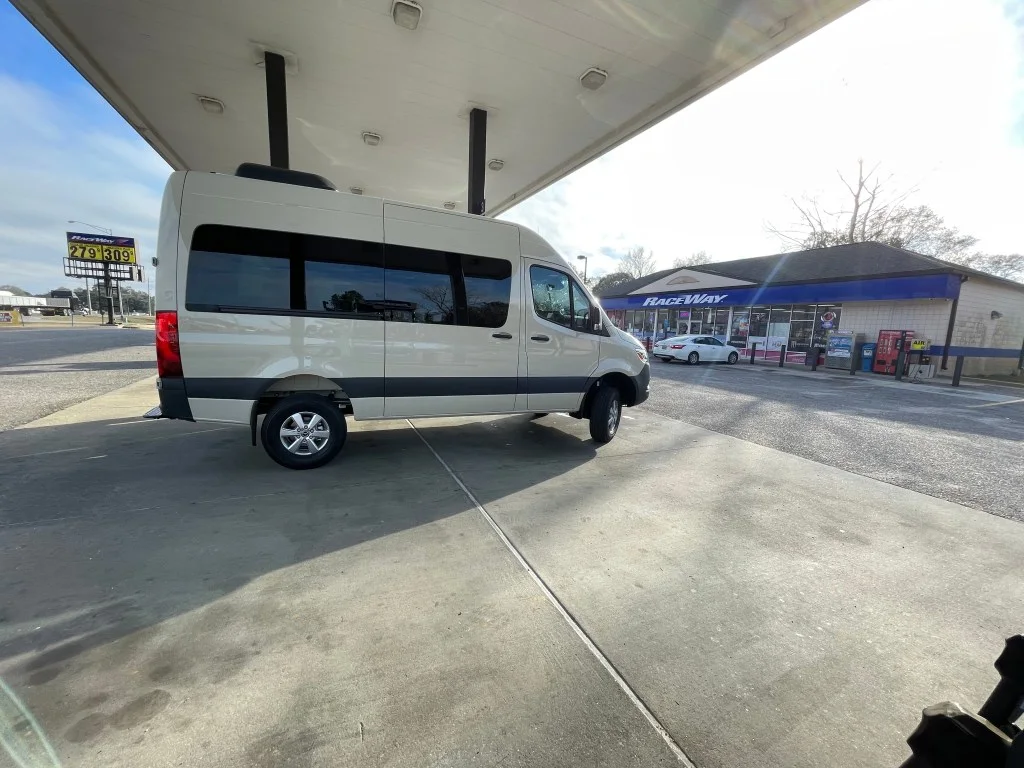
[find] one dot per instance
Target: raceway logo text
(695, 298)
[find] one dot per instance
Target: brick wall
(975, 326)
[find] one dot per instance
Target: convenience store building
(795, 299)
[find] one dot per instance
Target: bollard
(782, 356)
(1020, 360)
(814, 362)
(753, 349)
(958, 370)
(858, 351)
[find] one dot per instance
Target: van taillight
(168, 353)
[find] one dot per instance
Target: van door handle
(540, 337)
(501, 335)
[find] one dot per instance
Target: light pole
(585, 260)
(106, 275)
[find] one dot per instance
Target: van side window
(418, 286)
(552, 299)
(244, 270)
(343, 276)
(236, 267)
(580, 310)
(488, 290)
(559, 299)
(426, 286)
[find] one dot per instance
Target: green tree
(607, 282)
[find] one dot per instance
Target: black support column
(477, 159)
(277, 109)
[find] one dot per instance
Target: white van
(278, 296)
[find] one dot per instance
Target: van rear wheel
(605, 414)
(303, 431)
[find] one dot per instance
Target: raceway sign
(694, 298)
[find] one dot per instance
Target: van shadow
(128, 525)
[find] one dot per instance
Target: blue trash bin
(867, 356)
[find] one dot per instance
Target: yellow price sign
(87, 247)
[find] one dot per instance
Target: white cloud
(57, 166)
(931, 89)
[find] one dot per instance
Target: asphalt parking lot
(963, 445)
(488, 591)
(45, 369)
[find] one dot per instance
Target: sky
(930, 90)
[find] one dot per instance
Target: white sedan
(695, 349)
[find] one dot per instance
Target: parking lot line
(563, 611)
(1004, 402)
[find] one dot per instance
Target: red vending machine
(888, 350)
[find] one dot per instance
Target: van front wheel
(605, 414)
(303, 431)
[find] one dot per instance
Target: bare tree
(695, 259)
(441, 298)
(1008, 265)
(873, 213)
(638, 262)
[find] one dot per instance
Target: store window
(801, 329)
(800, 333)
(758, 322)
(720, 324)
(826, 319)
(778, 327)
(740, 328)
(661, 330)
(683, 322)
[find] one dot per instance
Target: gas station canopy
(379, 92)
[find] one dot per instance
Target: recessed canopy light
(356, 190)
(210, 104)
(593, 78)
(450, 206)
(371, 139)
(496, 165)
(406, 13)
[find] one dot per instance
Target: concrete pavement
(179, 599)
(198, 605)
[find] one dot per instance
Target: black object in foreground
(949, 736)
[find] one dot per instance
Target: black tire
(693, 358)
(605, 413)
(733, 357)
(304, 457)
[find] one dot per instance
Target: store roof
(854, 261)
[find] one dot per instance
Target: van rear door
(452, 319)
